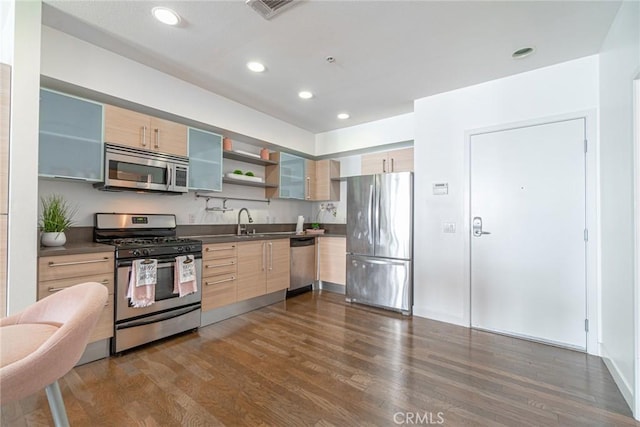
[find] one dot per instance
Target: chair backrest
(75, 311)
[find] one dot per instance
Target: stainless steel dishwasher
(303, 255)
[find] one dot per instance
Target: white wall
(619, 65)
(380, 132)
(23, 164)
(72, 60)
(7, 14)
(441, 287)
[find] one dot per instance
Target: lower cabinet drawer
(51, 286)
(104, 327)
(219, 266)
(218, 291)
(64, 266)
(219, 251)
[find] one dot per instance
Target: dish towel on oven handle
(184, 276)
(142, 282)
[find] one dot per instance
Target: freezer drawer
(381, 282)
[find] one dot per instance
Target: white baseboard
(620, 381)
(441, 317)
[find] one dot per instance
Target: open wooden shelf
(248, 183)
(248, 159)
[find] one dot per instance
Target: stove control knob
(146, 252)
(135, 252)
(180, 249)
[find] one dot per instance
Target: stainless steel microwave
(127, 168)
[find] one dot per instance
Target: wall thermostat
(440, 188)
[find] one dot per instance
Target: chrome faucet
(241, 229)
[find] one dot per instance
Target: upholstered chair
(43, 342)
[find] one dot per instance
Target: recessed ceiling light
(166, 15)
(305, 94)
(256, 67)
(343, 116)
(523, 52)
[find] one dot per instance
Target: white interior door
(528, 275)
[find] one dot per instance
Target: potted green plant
(55, 218)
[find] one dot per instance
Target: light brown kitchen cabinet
(263, 267)
(58, 272)
(133, 129)
(387, 162)
(278, 264)
(327, 185)
(332, 259)
(219, 275)
(322, 181)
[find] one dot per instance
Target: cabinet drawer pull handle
(384, 165)
(92, 261)
(104, 282)
(270, 256)
(157, 131)
(230, 279)
(106, 304)
(220, 265)
(226, 248)
(144, 136)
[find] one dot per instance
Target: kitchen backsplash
(187, 208)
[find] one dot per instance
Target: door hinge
(585, 145)
(586, 325)
(586, 235)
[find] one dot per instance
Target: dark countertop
(226, 238)
(75, 248)
(79, 239)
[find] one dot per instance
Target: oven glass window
(137, 173)
(164, 283)
(164, 286)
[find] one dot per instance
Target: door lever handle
(476, 226)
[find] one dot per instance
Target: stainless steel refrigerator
(380, 240)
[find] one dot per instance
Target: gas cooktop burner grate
(134, 241)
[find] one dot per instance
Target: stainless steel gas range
(149, 237)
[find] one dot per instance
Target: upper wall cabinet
(322, 180)
(70, 144)
(126, 127)
(289, 176)
(205, 160)
(388, 161)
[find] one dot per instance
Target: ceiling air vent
(269, 8)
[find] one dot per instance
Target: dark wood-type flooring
(314, 360)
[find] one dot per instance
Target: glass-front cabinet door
(70, 143)
(205, 160)
(292, 176)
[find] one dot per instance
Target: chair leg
(56, 404)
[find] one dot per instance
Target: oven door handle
(165, 265)
(158, 317)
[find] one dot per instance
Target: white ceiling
(387, 53)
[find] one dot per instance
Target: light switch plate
(448, 227)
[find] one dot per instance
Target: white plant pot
(53, 238)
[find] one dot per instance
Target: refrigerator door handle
(371, 213)
(384, 261)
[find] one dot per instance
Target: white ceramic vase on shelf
(54, 238)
